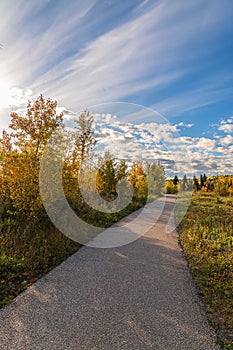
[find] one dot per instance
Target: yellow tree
(109, 173)
(137, 177)
(156, 179)
(171, 188)
(32, 131)
(5, 152)
(20, 154)
(223, 185)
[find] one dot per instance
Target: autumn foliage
(30, 245)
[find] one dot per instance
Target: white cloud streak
(60, 51)
(146, 53)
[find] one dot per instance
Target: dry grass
(206, 234)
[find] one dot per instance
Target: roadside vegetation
(30, 245)
(206, 235)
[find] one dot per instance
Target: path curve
(137, 297)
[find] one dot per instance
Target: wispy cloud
(162, 54)
(149, 51)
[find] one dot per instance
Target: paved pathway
(136, 297)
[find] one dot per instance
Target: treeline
(222, 185)
(22, 148)
(29, 243)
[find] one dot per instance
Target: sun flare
(11, 94)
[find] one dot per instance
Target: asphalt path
(135, 297)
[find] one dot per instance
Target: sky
(157, 74)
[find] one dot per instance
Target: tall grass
(27, 253)
(206, 234)
(30, 250)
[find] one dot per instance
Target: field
(206, 235)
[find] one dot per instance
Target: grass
(27, 255)
(29, 251)
(206, 235)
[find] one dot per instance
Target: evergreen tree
(201, 181)
(175, 180)
(196, 185)
(204, 178)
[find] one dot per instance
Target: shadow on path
(139, 296)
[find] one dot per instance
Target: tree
(204, 179)
(222, 185)
(209, 184)
(196, 185)
(171, 188)
(175, 180)
(184, 183)
(84, 140)
(121, 170)
(32, 131)
(155, 178)
(20, 154)
(201, 181)
(137, 177)
(5, 155)
(106, 178)
(5, 145)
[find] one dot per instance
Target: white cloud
(227, 140)
(152, 142)
(206, 144)
(73, 52)
(137, 55)
(226, 128)
(182, 124)
(13, 96)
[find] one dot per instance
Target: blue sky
(175, 57)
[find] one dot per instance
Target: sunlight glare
(5, 92)
(10, 94)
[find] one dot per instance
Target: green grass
(28, 255)
(206, 235)
(29, 251)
